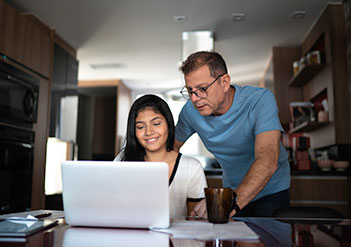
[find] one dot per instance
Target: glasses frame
(187, 94)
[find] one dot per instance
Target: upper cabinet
(324, 83)
(11, 43)
(64, 83)
(25, 39)
(65, 68)
(37, 45)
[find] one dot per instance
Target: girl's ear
(225, 80)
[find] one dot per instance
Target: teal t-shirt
(231, 136)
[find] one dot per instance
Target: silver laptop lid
(116, 194)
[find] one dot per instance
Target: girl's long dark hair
(133, 151)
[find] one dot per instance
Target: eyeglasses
(200, 92)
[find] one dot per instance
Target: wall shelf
(308, 126)
(305, 75)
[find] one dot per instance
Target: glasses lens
(185, 93)
(201, 93)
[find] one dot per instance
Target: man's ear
(225, 82)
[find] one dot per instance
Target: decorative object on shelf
(305, 74)
(340, 165)
(323, 115)
(303, 63)
(296, 67)
(302, 112)
(325, 165)
(314, 57)
(302, 160)
(324, 162)
(301, 143)
(300, 148)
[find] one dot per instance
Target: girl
(150, 137)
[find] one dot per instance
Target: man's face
(201, 78)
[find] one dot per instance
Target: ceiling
(144, 42)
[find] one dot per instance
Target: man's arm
(177, 145)
(267, 146)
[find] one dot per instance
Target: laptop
(115, 194)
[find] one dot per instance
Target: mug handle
(234, 204)
(233, 200)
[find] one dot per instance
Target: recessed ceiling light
(179, 18)
(238, 16)
(108, 65)
(298, 14)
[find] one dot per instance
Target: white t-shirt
(187, 183)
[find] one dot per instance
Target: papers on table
(199, 230)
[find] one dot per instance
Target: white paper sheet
(199, 230)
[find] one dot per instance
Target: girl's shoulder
(190, 161)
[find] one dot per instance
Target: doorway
(96, 123)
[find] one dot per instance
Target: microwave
(19, 93)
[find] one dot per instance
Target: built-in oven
(19, 93)
(16, 168)
(18, 96)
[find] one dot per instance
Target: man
(241, 128)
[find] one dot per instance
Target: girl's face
(151, 130)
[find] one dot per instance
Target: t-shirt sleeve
(197, 181)
(183, 128)
(266, 114)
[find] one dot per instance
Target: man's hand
(200, 209)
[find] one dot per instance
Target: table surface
(271, 232)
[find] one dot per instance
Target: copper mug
(219, 202)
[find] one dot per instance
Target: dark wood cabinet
(25, 39)
(11, 42)
(64, 83)
(331, 29)
(71, 74)
(65, 68)
(330, 78)
(322, 191)
(37, 45)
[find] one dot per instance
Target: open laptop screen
(116, 194)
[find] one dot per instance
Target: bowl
(341, 165)
(325, 164)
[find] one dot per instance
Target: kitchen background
(63, 99)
